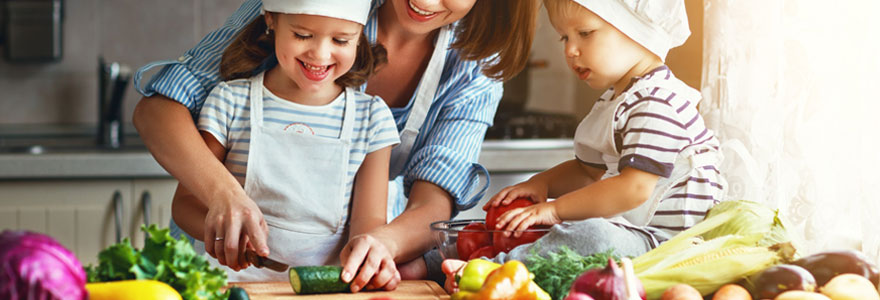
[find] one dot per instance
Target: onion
(604, 284)
(35, 266)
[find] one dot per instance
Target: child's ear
(270, 20)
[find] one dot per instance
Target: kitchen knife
(265, 262)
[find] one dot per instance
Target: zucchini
(317, 280)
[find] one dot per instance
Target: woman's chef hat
(352, 10)
(658, 25)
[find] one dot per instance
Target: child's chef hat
(352, 10)
(658, 25)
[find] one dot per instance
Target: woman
(442, 82)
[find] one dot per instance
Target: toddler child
(645, 164)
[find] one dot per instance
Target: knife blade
(265, 262)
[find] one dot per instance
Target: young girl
(311, 151)
(645, 164)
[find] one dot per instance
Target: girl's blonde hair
(252, 46)
(505, 27)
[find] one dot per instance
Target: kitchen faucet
(113, 78)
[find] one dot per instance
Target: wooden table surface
(407, 290)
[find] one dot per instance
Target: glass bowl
(446, 233)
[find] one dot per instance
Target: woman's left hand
(377, 269)
(522, 218)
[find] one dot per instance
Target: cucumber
(237, 293)
(317, 280)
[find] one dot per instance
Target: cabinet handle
(146, 202)
(117, 202)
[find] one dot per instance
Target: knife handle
(253, 258)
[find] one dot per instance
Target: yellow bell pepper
(132, 290)
(511, 281)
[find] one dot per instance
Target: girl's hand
(230, 226)
(377, 268)
(531, 189)
(452, 267)
(522, 218)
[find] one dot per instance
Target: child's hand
(452, 267)
(533, 190)
(522, 218)
(367, 264)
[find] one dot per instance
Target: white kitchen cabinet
(81, 214)
(152, 203)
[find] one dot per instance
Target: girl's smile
(315, 72)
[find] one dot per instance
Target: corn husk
(725, 247)
(753, 218)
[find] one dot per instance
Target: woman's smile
(419, 14)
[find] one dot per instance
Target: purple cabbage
(35, 266)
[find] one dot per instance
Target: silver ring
(219, 238)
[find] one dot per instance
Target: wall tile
(32, 91)
(135, 32)
(131, 32)
(214, 13)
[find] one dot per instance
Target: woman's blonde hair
(253, 45)
(505, 27)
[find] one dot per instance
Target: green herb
(165, 259)
(556, 272)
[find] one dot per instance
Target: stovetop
(531, 125)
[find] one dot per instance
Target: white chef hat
(658, 25)
(352, 10)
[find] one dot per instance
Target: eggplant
(780, 278)
(826, 265)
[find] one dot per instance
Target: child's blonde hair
(561, 8)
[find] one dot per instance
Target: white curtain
(792, 90)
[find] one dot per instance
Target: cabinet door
(152, 204)
(80, 214)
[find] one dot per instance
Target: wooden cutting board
(407, 290)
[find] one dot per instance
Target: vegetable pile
(35, 266)
(556, 272)
(485, 280)
(164, 259)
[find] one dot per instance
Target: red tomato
(504, 244)
(487, 251)
(496, 211)
(470, 241)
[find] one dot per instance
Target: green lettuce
(163, 258)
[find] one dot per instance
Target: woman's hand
(522, 218)
(532, 189)
(233, 225)
(377, 268)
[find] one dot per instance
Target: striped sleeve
(189, 78)
(382, 131)
(652, 132)
(217, 113)
(449, 155)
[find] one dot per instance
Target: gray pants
(585, 237)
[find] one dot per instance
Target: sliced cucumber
(317, 280)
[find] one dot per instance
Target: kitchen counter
(136, 162)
